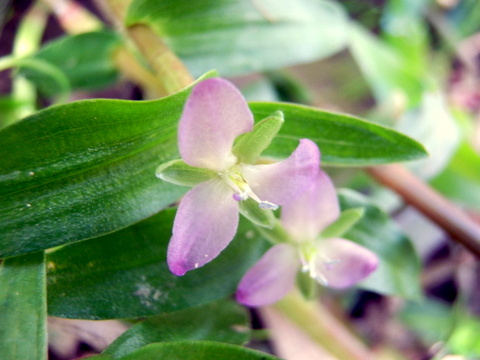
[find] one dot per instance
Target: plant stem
(415, 192)
(316, 321)
(27, 41)
(170, 72)
(75, 19)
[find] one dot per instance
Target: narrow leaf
(222, 321)
(238, 37)
(125, 274)
(85, 59)
(343, 139)
(83, 169)
(196, 350)
(23, 333)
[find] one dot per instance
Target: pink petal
(305, 217)
(213, 116)
(284, 181)
(344, 263)
(205, 223)
(271, 278)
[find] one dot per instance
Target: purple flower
(333, 262)
(214, 115)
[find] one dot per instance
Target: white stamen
(322, 280)
(242, 191)
(329, 262)
(308, 257)
(267, 205)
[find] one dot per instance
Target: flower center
(242, 191)
(309, 257)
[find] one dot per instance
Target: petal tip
(177, 268)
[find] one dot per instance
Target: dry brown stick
(433, 205)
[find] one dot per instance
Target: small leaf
(249, 146)
(180, 173)
(222, 321)
(398, 271)
(347, 219)
(238, 37)
(261, 217)
(196, 350)
(85, 59)
(23, 333)
(343, 139)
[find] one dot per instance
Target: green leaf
(431, 320)
(463, 19)
(52, 77)
(346, 220)
(23, 333)
(385, 69)
(238, 37)
(196, 350)
(461, 179)
(85, 59)
(406, 31)
(222, 321)
(431, 124)
(343, 139)
(8, 109)
(178, 172)
(252, 211)
(250, 145)
(83, 169)
(464, 339)
(398, 272)
(125, 274)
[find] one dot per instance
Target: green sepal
(250, 145)
(307, 286)
(261, 217)
(180, 173)
(346, 220)
(275, 234)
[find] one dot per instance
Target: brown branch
(433, 205)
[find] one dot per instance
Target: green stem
(317, 322)
(275, 235)
(27, 41)
(171, 73)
